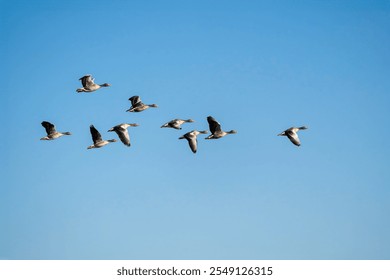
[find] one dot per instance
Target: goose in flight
(88, 84)
(51, 131)
(137, 105)
(98, 142)
(215, 128)
(176, 123)
(291, 133)
(191, 138)
(121, 130)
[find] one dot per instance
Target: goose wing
(293, 137)
(135, 100)
(172, 122)
(175, 123)
(123, 135)
(192, 141)
(49, 127)
(213, 125)
(96, 136)
(87, 81)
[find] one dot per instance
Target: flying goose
(176, 123)
(98, 142)
(216, 131)
(137, 105)
(88, 84)
(51, 131)
(291, 133)
(191, 138)
(121, 130)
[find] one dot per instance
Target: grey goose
(137, 105)
(215, 128)
(88, 84)
(121, 130)
(292, 134)
(176, 123)
(51, 131)
(191, 138)
(98, 142)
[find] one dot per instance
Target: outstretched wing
(213, 124)
(123, 135)
(293, 137)
(193, 142)
(96, 136)
(175, 123)
(135, 100)
(49, 127)
(87, 81)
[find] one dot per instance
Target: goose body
(215, 128)
(98, 142)
(51, 131)
(192, 140)
(292, 134)
(176, 123)
(138, 106)
(88, 84)
(123, 134)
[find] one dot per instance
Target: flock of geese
(138, 106)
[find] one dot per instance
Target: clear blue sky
(258, 67)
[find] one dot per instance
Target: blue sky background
(258, 67)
